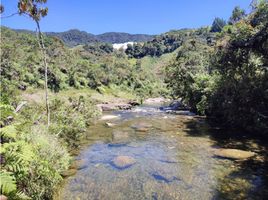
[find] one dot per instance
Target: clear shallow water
(173, 160)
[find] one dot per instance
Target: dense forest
(220, 72)
(228, 82)
(76, 37)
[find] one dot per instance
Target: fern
(18, 155)
(21, 196)
(7, 182)
(6, 111)
(8, 132)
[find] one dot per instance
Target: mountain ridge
(74, 37)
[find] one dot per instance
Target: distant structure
(123, 46)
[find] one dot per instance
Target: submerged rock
(142, 126)
(69, 172)
(120, 138)
(123, 162)
(164, 177)
(79, 164)
(235, 154)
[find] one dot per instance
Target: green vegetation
(75, 37)
(219, 71)
(218, 25)
(34, 156)
(168, 42)
(228, 83)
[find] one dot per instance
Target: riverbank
(75, 126)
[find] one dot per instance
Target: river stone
(108, 124)
(109, 117)
(119, 138)
(114, 106)
(141, 126)
(3, 197)
(123, 162)
(164, 177)
(69, 172)
(79, 164)
(234, 154)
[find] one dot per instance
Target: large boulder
(123, 162)
(235, 154)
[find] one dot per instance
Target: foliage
(228, 84)
(32, 162)
(71, 119)
(76, 37)
(242, 63)
(237, 15)
(188, 74)
(217, 25)
(167, 43)
(88, 66)
(8, 183)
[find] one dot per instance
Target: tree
(33, 9)
(217, 25)
(237, 15)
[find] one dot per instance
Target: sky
(132, 16)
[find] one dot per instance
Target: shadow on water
(249, 178)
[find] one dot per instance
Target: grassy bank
(33, 156)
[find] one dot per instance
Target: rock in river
(164, 177)
(114, 106)
(235, 154)
(142, 126)
(120, 138)
(69, 172)
(123, 162)
(109, 117)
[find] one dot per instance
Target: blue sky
(133, 16)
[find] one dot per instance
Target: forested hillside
(88, 66)
(76, 37)
(228, 83)
(74, 75)
(169, 42)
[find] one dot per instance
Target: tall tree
(237, 15)
(34, 9)
(217, 25)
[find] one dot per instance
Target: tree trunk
(43, 50)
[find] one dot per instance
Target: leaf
(7, 182)
(8, 132)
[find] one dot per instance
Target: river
(170, 157)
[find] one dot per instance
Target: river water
(172, 158)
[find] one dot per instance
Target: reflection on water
(169, 163)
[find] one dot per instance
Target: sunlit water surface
(173, 160)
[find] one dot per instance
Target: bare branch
(8, 16)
